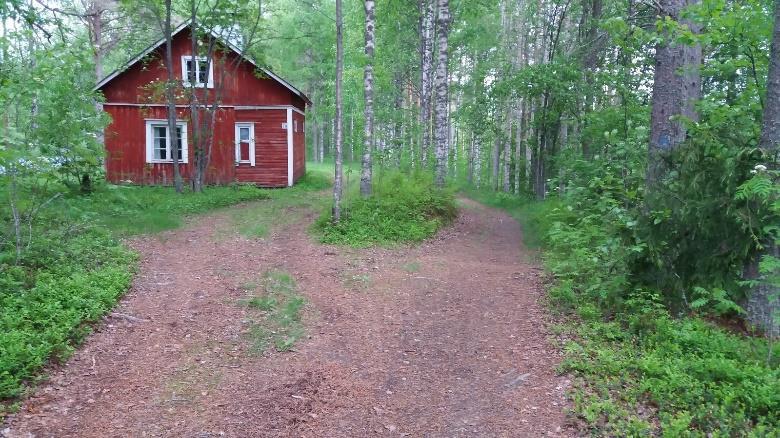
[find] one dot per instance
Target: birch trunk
(322, 141)
(368, 93)
(352, 135)
(426, 68)
(508, 156)
(338, 153)
(339, 172)
(496, 162)
(442, 88)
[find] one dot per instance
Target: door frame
(251, 143)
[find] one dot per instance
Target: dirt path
(445, 339)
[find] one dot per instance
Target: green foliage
(279, 322)
(402, 209)
(76, 276)
(689, 373)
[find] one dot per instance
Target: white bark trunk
(442, 88)
(426, 68)
(368, 93)
(339, 172)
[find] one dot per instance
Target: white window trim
(185, 76)
(290, 149)
(251, 126)
(150, 141)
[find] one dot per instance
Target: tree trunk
(442, 89)
(170, 98)
(352, 135)
(763, 305)
(368, 93)
(676, 88)
(338, 155)
(322, 140)
(508, 156)
(315, 143)
(496, 168)
(426, 68)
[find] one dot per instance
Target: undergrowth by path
(639, 371)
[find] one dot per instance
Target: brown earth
(444, 339)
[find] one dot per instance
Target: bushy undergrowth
(74, 278)
(72, 268)
(403, 208)
(639, 369)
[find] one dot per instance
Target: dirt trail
(444, 339)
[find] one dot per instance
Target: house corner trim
(290, 148)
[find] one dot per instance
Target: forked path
(444, 339)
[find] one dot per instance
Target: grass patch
(277, 320)
(129, 210)
(283, 206)
(638, 370)
(411, 267)
(402, 209)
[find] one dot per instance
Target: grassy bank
(638, 370)
(73, 266)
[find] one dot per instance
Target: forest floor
(447, 338)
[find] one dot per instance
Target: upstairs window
(158, 142)
(197, 66)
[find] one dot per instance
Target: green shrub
(402, 209)
(76, 282)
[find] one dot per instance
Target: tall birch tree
(426, 70)
(368, 93)
(339, 171)
(441, 126)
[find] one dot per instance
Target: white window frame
(185, 77)
(150, 123)
(251, 126)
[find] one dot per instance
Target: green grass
(411, 267)
(282, 207)
(277, 313)
(76, 268)
(129, 210)
(638, 371)
(402, 209)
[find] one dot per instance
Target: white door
(245, 144)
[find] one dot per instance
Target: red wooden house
(259, 128)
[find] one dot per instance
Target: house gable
(246, 84)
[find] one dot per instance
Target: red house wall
(270, 147)
(128, 95)
(299, 148)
